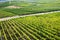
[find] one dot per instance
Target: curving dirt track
(8, 18)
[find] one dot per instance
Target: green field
(42, 27)
(39, 27)
(5, 14)
(27, 8)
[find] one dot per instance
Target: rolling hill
(42, 27)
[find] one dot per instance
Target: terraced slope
(43, 27)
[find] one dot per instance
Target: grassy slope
(47, 26)
(42, 1)
(4, 4)
(34, 8)
(5, 14)
(30, 7)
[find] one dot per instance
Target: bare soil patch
(13, 7)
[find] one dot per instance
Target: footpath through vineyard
(7, 18)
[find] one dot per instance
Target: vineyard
(42, 27)
(34, 27)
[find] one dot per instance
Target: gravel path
(8, 18)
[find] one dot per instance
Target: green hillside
(42, 27)
(5, 14)
(29, 8)
(39, 27)
(43, 1)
